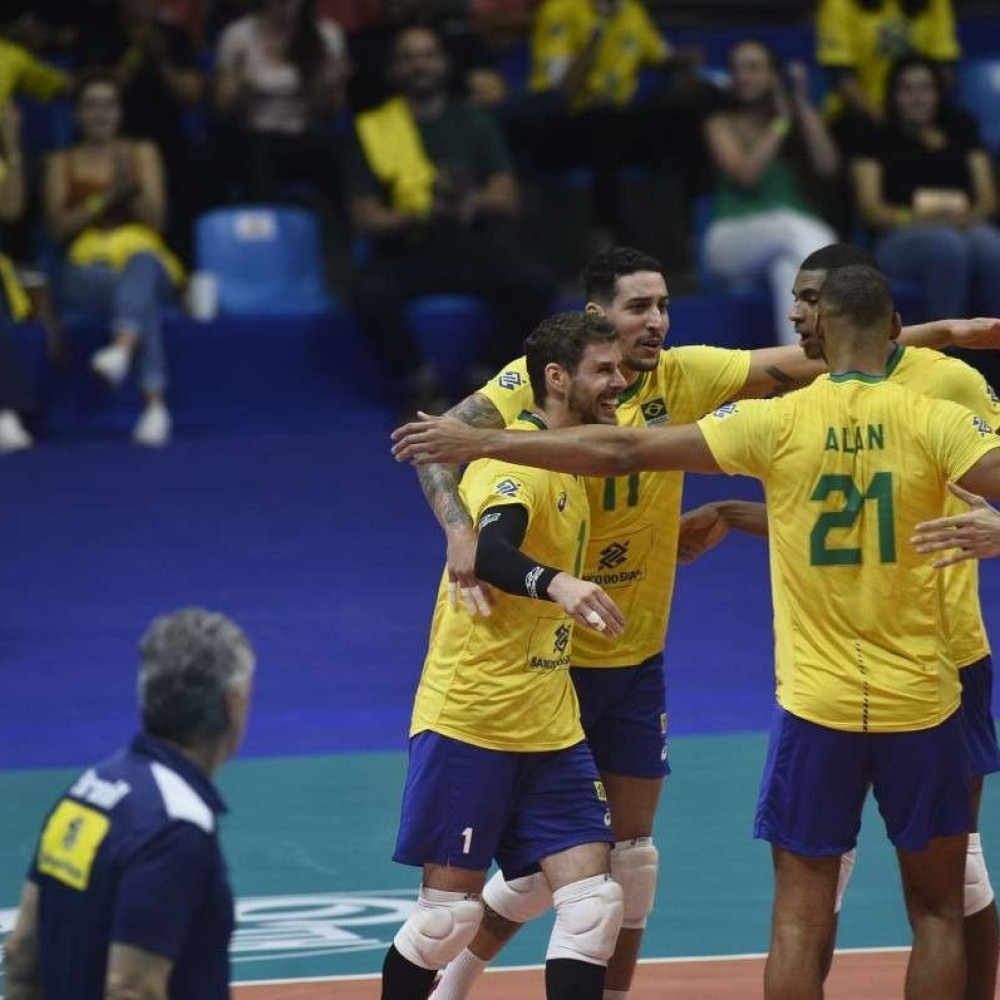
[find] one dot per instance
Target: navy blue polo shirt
(130, 855)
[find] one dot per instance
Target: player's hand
(462, 582)
(980, 332)
(586, 604)
(437, 440)
(701, 529)
(976, 534)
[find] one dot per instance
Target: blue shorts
(977, 717)
(624, 714)
(816, 779)
(466, 806)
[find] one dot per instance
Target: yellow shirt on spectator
(850, 465)
(629, 41)
(868, 42)
(22, 73)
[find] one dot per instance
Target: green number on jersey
(611, 492)
(879, 490)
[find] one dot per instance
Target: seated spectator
(860, 40)
(15, 393)
(767, 147)
(281, 73)
(925, 186)
(432, 191)
(587, 57)
(105, 204)
(156, 67)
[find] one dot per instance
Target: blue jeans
(956, 268)
(134, 298)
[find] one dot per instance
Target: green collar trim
(628, 393)
(857, 377)
(897, 355)
(533, 418)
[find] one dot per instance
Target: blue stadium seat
(268, 259)
(450, 330)
(978, 91)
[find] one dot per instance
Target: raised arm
(592, 450)
(440, 486)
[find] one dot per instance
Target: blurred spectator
(586, 58)
(15, 393)
(472, 75)
(926, 187)
(281, 73)
(157, 69)
(859, 40)
(105, 203)
(432, 190)
(766, 146)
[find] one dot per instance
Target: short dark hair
(561, 339)
(837, 255)
(600, 278)
(188, 661)
(859, 293)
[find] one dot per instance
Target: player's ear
(556, 377)
(897, 326)
(594, 309)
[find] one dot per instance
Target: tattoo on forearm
(783, 382)
(499, 928)
(440, 482)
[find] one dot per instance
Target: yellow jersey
(22, 73)
(634, 520)
(850, 465)
(503, 682)
(630, 40)
(934, 374)
(849, 36)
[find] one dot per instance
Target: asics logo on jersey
(613, 555)
(562, 638)
(507, 488)
(561, 502)
(655, 412)
(510, 380)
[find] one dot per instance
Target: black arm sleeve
(499, 560)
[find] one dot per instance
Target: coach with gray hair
(127, 895)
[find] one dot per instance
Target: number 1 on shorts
(467, 840)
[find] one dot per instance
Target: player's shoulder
(512, 376)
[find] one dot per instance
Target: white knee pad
(634, 865)
(588, 917)
(846, 871)
(520, 899)
(445, 922)
(978, 891)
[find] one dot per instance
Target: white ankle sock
(458, 977)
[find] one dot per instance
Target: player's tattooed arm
(440, 482)
(440, 486)
(777, 370)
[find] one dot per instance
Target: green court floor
(309, 841)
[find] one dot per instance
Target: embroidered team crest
(726, 410)
(655, 412)
(982, 426)
(510, 380)
(507, 488)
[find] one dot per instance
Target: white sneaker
(153, 428)
(112, 364)
(13, 436)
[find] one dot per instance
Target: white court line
(537, 968)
